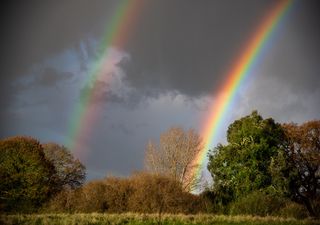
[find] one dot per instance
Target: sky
(167, 73)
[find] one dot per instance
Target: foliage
(242, 165)
(293, 210)
(148, 219)
(174, 156)
(260, 203)
(70, 173)
(25, 174)
(296, 170)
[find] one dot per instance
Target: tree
(242, 165)
(298, 165)
(174, 156)
(70, 173)
(25, 174)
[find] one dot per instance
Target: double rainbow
(85, 114)
(240, 70)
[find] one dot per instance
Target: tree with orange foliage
(299, 166)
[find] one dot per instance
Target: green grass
(136, 219)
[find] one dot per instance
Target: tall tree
(70, 172)
(242, 165)
(25, 174)
(298, 166)
(174, 155)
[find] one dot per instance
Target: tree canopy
(296, 169)
(70, 172)
(25, 174)
(32, 173)
(242, 165)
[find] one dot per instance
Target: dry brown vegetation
(174, 156)
(141, 193)
(151, 219)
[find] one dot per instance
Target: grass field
(135, 219)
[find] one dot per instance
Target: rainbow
(240, 70)
(85, 113)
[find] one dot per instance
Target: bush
(257, 203)
(117, 194)
(91, 198)
(66, 201)
(293, 210)
(142, 193)
(155, 193)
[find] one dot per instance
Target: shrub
(66, 201)
(117, 194)
(258, 203)
(293, 210)
(91, 198)
(155, 193)
(142, 193)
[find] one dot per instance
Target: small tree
(70, 172)
(25, 174)
(174, 156)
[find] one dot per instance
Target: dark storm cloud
(51, 77)
(188, 46)
(295, 56)
(175, 45)
(36, 30)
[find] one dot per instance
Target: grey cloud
(98, 92)
(273, 99)
(51, 77)
(175, 45)
(191, 47)
(101, 92)
(33, 31)
(37, 30)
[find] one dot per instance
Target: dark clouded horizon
(168, 73)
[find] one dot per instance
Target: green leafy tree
(70, 172)
(25, 174)
(242, 165)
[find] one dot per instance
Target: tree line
(265, 161)
(265, 168)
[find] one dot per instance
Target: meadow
(135, 219)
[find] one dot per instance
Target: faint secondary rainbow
(251, 54)
(85, 113)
